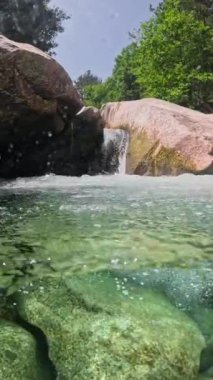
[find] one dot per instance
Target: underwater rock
(17, 353)
(95, 331)
(38, 102)
(165, 139)
(206, 364)
(190, 290)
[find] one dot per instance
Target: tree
(171, 59)
(203, 9)
(125, 79)
(32, 21)
(174, 60)
(85, 80)
(98, 94)
(122, 85)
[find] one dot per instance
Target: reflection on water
(148, 233)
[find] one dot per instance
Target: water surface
(120, 222)
(113, 238)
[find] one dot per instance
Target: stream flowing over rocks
(45, 128)
(102, 277)
(165, 139)
(114, 151)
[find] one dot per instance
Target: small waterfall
(115, 148)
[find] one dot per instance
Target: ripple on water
(140, 245)
(95, 223)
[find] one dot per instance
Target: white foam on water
(185, 182)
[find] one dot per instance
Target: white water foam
(115, 149)
(123, 152)
(182, 183)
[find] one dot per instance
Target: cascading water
(115, 149)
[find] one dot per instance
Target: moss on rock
(96, 332)
(146, 156)
(17, 353)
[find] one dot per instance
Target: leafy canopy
(170, 58)
(174, 60)
(122, 85)
(85, 80)
(36, 22)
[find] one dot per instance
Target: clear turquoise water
(155, 233)
(117, 222)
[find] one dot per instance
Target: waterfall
(115, 148)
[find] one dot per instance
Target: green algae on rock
(95, 332)
(17, 353)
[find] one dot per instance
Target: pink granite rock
(165, 139)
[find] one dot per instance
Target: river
(155, 233)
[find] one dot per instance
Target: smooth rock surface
(95, 332)
(165, 139)
(38, 103)
(32, 81)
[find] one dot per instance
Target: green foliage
(100, 93)
(85, 80)
(125, 79)
(32, 21)
(203, 9)
(171, 58)
(174, 58)
(122, 85)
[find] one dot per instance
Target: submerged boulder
(96, 332)
(37, 105)
(17, 353)
(165, 139)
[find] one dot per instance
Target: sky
(97, 32)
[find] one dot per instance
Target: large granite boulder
(165, 139)
(98, 330)
(88, 129)
(37, 105)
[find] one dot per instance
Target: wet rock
(114, 151)
(37, 105)
(207, 358)
(187, 290)
(88, 136)
(17, 353)
(190, 290)
(166, 139)
(95, 331)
